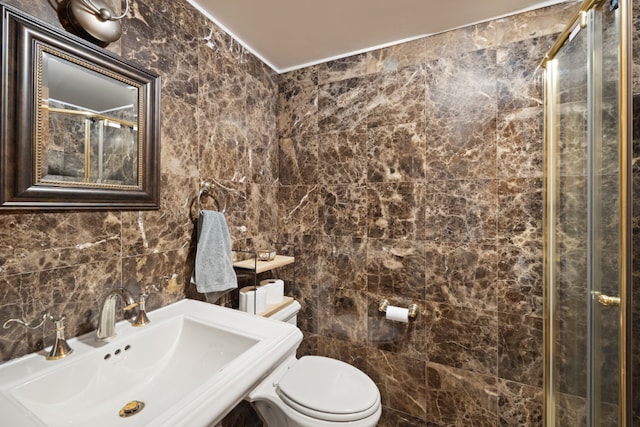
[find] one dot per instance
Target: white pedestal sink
(189, 367)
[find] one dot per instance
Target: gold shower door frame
(591, 280)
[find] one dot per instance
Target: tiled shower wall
(414, 173)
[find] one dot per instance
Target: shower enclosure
(587, 219)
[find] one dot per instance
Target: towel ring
(206, 188)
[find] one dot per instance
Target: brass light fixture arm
(104, 13)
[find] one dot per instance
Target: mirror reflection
(88, 125)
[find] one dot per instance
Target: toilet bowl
(315, 391)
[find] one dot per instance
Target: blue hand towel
(213, 268)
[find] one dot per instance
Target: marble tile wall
(414, 173)
(218, 121)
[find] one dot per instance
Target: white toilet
(315, 391)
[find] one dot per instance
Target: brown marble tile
(262, 153)
(338, 262)
(342, 210)
(223, 133)
(263, 75)
(342, 158)
(262, 213)
(635, 46)
(401, 381)
(460, 398)
(189, 19)
(462, 275)
(153, 231)
(307, 76)
(396, 153)
(536, 23)
(520, 405)
(215, 73)
(396, 97)
(522, 267)
(342, 69)
(521, 298)
(392, 418)
(298, 208)
(393, 58)
(298, 160)
(142, 31)
(461, 147)
(521, 207)
(462, 86)
(462, 338)
(396, 267)
(306, 292)
(298, 103)
(396, 211)
(520, 143)
(521, 349)
(262, 145)
(519, 75)
(180, 121)
(462, 211)
(165, 271)
(461, 40)
(342, 314)
(344, 105)
(33, 242)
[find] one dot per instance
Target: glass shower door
(585, 218)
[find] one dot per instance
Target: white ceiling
(291, 34)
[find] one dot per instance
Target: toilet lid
(329, 389)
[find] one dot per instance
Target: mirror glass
(88, 125)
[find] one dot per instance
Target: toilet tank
(288, 313)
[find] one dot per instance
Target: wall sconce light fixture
(94, 20)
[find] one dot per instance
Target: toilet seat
(329, 390)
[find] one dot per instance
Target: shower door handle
(606, 300)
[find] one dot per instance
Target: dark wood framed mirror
(79, 126)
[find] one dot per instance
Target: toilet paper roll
(398, 314)
(253, 300)
(275, 290)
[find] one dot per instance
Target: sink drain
(131, 408)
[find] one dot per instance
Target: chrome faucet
(107, 326)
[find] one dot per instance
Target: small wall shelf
(250, 267)
(274, 308)
(263, 266)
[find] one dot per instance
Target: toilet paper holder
(413, 308)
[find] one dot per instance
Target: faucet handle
(141, 318)
(60, 347)
(32, 325)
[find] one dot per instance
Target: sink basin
(189, 367)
